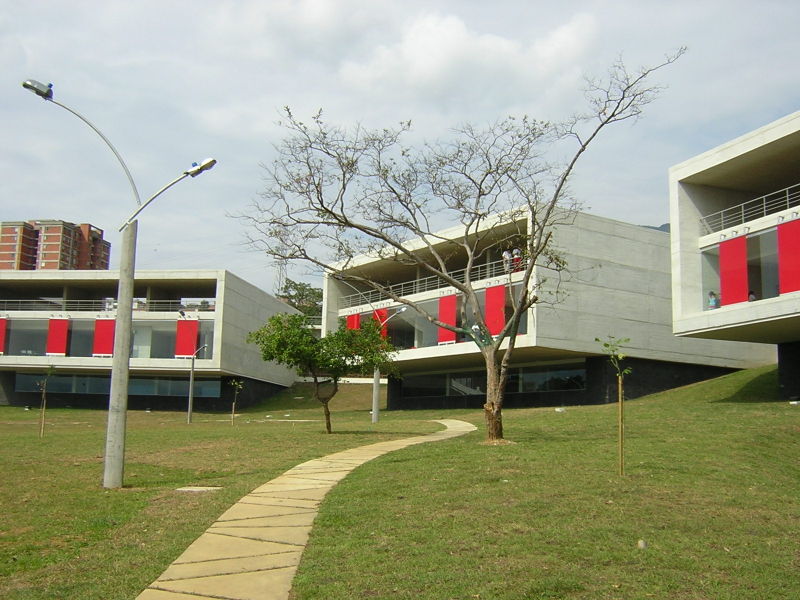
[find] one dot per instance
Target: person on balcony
(713, 301)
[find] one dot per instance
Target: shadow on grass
(761, 389)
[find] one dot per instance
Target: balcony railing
(752, 209)
(426, 284)
(107, 305)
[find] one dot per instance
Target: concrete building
(51, 244)
(65, 320)
(619, 284)
(735, 213)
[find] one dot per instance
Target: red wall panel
(447, 314)
(103, 342)
(57, 332)
(186, 338)
(3, 323)
(495, 308)
(381, 315)
(354, 321)
(733, 271)
(789, 256)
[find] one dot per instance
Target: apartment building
(52, 244)
(619, 284)
(65, 320)
(735, 213)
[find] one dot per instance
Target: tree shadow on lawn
(761, 389)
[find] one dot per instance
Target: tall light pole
(120, 363)
(376, 376)
(191, 384)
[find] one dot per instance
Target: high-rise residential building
(52, 244)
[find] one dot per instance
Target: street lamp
(376, 376)
(120, 364)
(191, 384)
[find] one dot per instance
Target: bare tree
(335, 194)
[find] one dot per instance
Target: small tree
(289, 340)
(613, 349)
(42, 383)
(237, 385)
(335, 194)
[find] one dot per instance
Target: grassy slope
(712, 487)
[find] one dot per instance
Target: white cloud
(439, 58)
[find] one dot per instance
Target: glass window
(425, 385)
(206, 333)
(26, 337)
(762, 265)
(553, 377)
(153, 339)
(466, 384)
(81, 338)
(709, 272)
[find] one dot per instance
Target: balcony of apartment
(490, 270)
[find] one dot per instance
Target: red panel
(57, 331)
(381, 315)
(3, 323)
(103, 344)
(186, 338)
(733, 271)
(354, 321)
(789, 256)
(447, 314)
(495, 309)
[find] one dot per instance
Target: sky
(170, 83)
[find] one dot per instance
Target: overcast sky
(174, 82)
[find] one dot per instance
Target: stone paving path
(252, 551)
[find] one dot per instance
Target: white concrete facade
(226, 307)
(742, 192)
(619, 284)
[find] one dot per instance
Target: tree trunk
(325, 398)
(327, 416)
(495, 393)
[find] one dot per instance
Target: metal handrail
(102, 305)
(426, 284)
(752, 209)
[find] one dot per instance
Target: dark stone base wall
(646, 377)
(252, 392)
(789, 370)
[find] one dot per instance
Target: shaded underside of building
(589, 380)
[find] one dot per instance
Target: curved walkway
(252, 551)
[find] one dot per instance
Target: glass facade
(410, 329)
(151, 339)
(549, 377)
(762, 264)
(26, 337)
(761, 270)
(81, 337)
(709, 271)
(100, 384)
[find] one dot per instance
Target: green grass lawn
(712, 489)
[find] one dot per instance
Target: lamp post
(120, 364)
(191, 384)
(376, 376)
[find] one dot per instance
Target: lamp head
(196, 168)
(43, 91)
